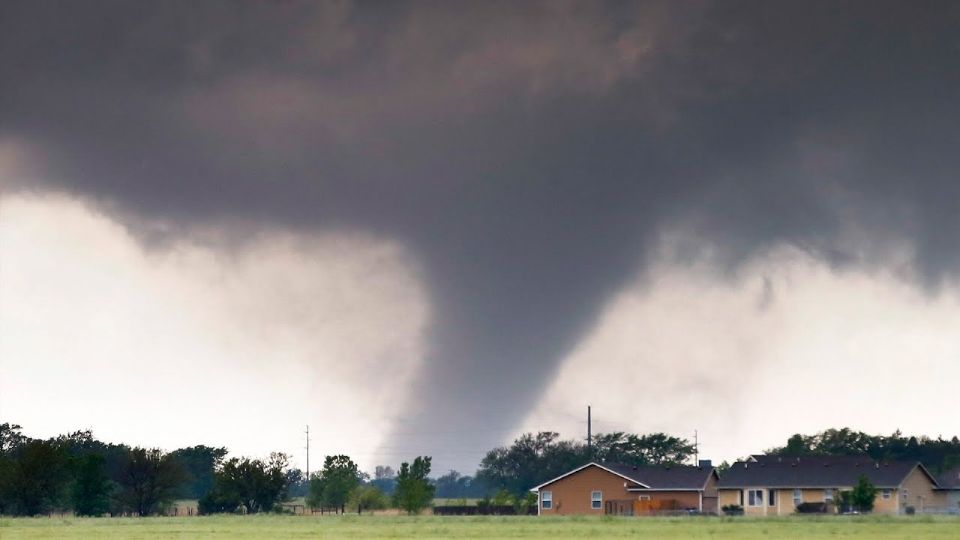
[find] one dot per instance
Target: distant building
(775, 486)
(948, 484)
(597, 489)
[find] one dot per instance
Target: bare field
(351, 526)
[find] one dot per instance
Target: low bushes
(812, 508)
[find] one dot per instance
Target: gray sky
(424, 226)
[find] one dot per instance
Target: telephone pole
(696, 449)
(589, 436)
(308, 452)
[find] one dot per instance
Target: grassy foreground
(480, 527)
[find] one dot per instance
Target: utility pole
(308, 452)
(696, 449)
(589, 436)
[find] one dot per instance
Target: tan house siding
(571, 495)
(783, 502)
(886, 506)
(728, 497)
(710, 500)
(917, 491)
(732, 496)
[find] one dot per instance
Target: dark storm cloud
(527, 152)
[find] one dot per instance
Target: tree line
(80, 473)
(937, 455)
(76, 472)
(90, 477)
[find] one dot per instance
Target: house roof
(664, 478)
(949, 479)
(816, 472)
(650, 478)
(580, 468)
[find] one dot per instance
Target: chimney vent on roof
(706, 463)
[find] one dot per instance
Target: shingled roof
(817, 472)
(651, 478)
(949, 479)
(670, 478)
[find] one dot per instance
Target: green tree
(297, 484)
(256, 485)
(7, 472)
(336, 480)
(314, 497)
(414, 490)
(200, 463)
(149, 481)
(501, 498)
(91, 486)
(530, 460)
(39, 478)
(638, 450)
(454, 485)
(937, 454)
(368, 497)
(11, 438)
(863, 494)
(521, 503)
(796, 446)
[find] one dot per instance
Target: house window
(828, 495)
(771, 497)
(797, 497)
(596, 500)
(755, 497)
(546, 500)
(644, 498)
(885, 494)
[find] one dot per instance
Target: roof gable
(663, 478)
(578, 469)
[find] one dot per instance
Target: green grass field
(479, 527)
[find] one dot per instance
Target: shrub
(732, 510)
(863, 494)
(812, 508)
(368, 498)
